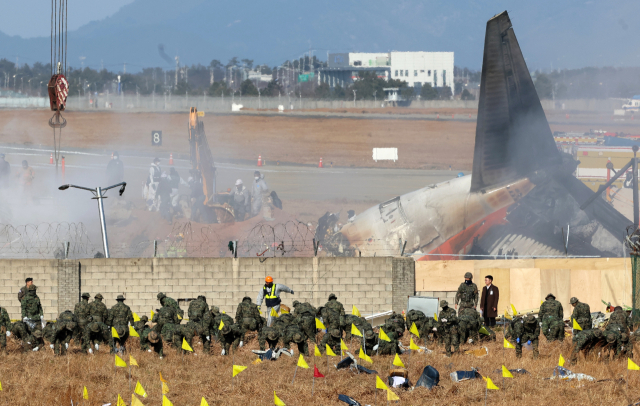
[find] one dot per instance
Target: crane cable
(58, 86)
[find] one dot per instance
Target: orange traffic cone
(259, 160)
(320, 164)
(170, 159)
(438, 116)
(51, 159)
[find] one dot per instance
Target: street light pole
(99, 195)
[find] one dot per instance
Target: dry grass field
(44, 379)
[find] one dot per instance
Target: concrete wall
(372, 284)
(526, 282)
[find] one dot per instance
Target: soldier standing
(527, 330)
(333, 314)
(581, 314)
(97, 330)
(467, 295)
(551, 315)
(23, 290)
(448, 327)
(167, 301)
(5, 325)
(32, 314)
(82, 313)
(120, 317)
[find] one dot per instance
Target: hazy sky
(32, 18)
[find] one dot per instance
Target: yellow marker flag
(561, 361)
(166, 401)
(632, 365)
(135, 317)
(152, 313)
(365, 357)
(383, 336)
(302, 363)
(139, 390)
(413, 345)
(398, 362)
(120, 362)
(221, 326)
(507, 316)
(316, 352)
(133, 362)
(114, 333)
(435, 316)
(355, 311)
(273, 313)
(203, 402)
(319, 324)
(185, 345)
(483, 331)
(85, 393)
(491, 385)
(180, 317)
(414, 330)
(576, 326)
(277, 400)
(343, 346)
(133, 332)
(257, 361)
(515, 312)
(355, 331)
(165, 388)
(135, 401)
(120, 402)
(237, 369)
(506, 373)
(161, 378)
(507, 344)
(391, 395)
(380, 384)
(330, 351)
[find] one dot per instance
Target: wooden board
(558, 282)
(502, 263)
(585, 285)
(582, 263)
(616, 287)
(524, 288)
(441, 276)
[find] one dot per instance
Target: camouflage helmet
(98, 296)
(226, 329)
(444, 303)
(611, 338)
(246, 299)
(86, 295)
(37, 333)
(598, 333)
(298, 337)
(369, 334)
(71, 325)
(272, 334)
(335, 333)
(573, 300)
(153, 337)
(468, 275)
(624, 337)
(161, 296)
(120, 298)
(95, 327)
(144, 319)
(530, 318)
(549, 295)
(295, 303)
(121, 330)
(333, 296)
(215, 309)
(202, 297)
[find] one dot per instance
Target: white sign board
(236, 107)
(385, 154)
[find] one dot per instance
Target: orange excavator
(215, 207)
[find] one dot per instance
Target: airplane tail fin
(513, 138)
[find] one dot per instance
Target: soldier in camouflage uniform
(232, 334)
(49, 333)
(360, 322)
(293, 333)
(417, 317)
(270, 335)
(166, 301)
(5, 325)
(197, 310)
(619, 320)
(223, 318)
(333, 339)
(95, 334)
(467, 295)
(468, 325)
(81, 311)
(333, 313)
(396, 323)
(20, 331)
(32, 314)
(581, 314)
(614, 343)
(448, 327)
(585, 340)
(370, 341)
(282, 322)
(150, 338)
(120, 317)
(248, 316)
(140, 325)
(186, 332)
(551, 315)
(64, 330)
(166, 321)
(427, 330)
(209, 327)
(528, 329)
(305, 318)
(389, 347)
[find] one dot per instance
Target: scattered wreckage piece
(430, 377)
(478, 353)
(459, 376)
(566, 375)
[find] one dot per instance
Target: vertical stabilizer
(513, 138)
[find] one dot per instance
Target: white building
(415, 68)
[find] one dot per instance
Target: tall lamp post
(99, 194)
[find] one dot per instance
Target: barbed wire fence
(45, 240)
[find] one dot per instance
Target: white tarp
(385, 154)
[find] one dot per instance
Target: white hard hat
(239, 182)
